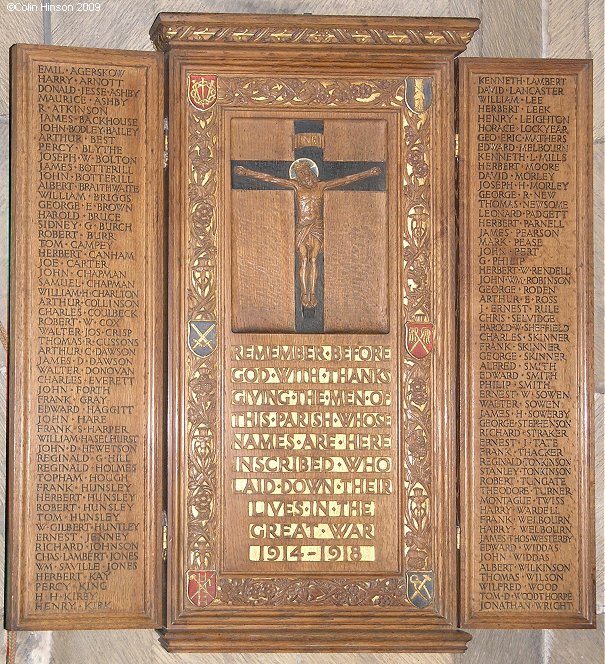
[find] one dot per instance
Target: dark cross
(309, 144)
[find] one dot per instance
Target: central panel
(309, 221)
(310, 323)
(311, 471)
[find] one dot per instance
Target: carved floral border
(201, 416)
(417, 306)
(202, 373)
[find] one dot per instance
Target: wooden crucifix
(304, 178)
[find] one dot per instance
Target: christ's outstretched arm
(264, 177)
(337, 182)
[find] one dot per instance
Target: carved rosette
(202, 415)
(417, 307)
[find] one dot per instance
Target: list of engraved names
(87, 435)
(523, 283)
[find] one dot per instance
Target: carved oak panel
(310, 340)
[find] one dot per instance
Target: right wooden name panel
(526, 492)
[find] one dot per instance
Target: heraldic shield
(418, 94)
(202, 90)
(419, 339)
(420, 588)
(202, 337)
(201, 587)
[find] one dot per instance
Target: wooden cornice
(408, 33)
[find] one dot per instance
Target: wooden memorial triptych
(300, 337)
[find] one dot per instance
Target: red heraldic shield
(202, 90)
(419, 339)
(201, 587)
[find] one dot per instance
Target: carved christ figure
(309, 200)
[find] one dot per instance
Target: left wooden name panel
(86, 339)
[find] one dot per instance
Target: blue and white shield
(202, 337)
(420, 588)
(418, 94)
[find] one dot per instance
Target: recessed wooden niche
(328, 244)
(289, 207)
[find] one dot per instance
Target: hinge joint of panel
(458, 537)
(164, 535)
(165, 161)
(457, 145)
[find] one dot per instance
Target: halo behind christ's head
(303, 160)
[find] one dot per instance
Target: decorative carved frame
(428, 393)
(203, 257)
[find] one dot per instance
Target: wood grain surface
(86, 390)
(571, 29)
(308, 434)
(526, 344)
